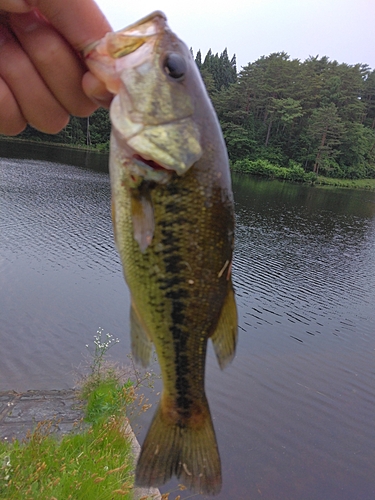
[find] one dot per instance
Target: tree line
(317, 115)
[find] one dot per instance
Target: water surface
(294, 413)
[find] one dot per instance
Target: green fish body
(173, 217)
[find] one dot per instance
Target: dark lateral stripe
(176, 294)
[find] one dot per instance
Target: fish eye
(175, 66)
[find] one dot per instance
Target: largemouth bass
(173, 219)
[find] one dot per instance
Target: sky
(342, 30)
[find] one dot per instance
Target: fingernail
(102, 100)
(28, 22)
(96, 90)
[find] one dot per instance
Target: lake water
(295, 412)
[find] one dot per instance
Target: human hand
(42, 76)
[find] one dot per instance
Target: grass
(263, 168)
(295, 173)
(95, 462)
(368, 184)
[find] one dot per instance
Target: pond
(294, 412)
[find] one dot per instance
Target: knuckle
(48, 54)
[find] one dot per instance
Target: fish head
(154, 78)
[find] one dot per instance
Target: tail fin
(187, 452)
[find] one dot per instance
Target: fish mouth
(128, 40)
(150, 163)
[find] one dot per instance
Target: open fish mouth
(150, 163)
(146, 169)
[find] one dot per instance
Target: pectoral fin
(224, 337)
(140, 341)
(143, 217)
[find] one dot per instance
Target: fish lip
(146, 20)
(128, 40)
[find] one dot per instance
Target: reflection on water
(294, 413)
(60, 274)
(48, 152)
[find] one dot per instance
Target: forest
(310, 117)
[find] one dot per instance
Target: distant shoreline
(321, 181)
(54, 144)
(296, 174)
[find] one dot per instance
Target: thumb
(18, 6)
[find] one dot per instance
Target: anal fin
(224, 337)
(140, 340)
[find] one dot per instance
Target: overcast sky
(343, 30)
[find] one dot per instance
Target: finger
(80, 22)
(11, 120)
(14, 6)
(57, 63)
(96, 90)
(37, 104)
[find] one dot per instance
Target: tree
(357, 151)
(198, 59)
(368, 98)
(100, 127)
(222, 70)
(316, 113)
(325, 130)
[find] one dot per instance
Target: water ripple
(294, 411)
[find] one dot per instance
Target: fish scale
(178, 263)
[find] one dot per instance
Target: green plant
(96, 461)
(94, 464)
(101, 348)
(294, 172)
(108, 398)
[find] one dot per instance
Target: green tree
(100, 128)
(358, 151)
(198, 59)
(325, 131)
(222, 70)
(317, 113)
(368, 98)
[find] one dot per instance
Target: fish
(173, 221)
